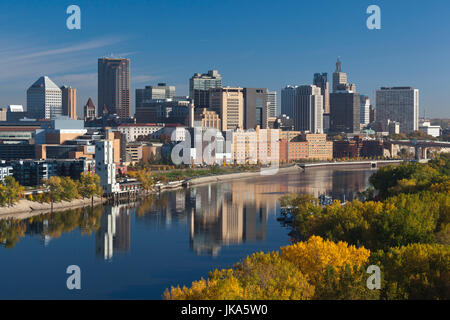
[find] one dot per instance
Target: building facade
(400, 104)
(44, 99)
(308, 109)
(229, 104)
(321, 80)
(288, 101)
(114, 87)
(199, 85)
(69, 102)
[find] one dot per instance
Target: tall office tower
(339, 77)
(69, 101)
(308, 109)
(255, 107)
(114, 87)
(44, 99)
(345, 107)
(321, 81)
(272, 104)
(199, 85)
(288, 100)
(159, 92)
(400, 104)
(228, 103)
(365, 110)
(89, 110)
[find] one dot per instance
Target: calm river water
(135, 251)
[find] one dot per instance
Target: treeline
(402, 226)
(57, 189)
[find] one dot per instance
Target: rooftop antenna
(338, 65)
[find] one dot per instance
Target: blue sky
(252, 43)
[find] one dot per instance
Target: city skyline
(372, 59)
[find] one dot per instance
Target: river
(135, 251)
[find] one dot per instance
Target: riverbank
(240, 175)
(26, 208)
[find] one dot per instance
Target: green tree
(10, 192)
(89, 186)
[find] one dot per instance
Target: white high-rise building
(400, 104)
(105, 166)
(365, 110)
(288, 100)
(272, 104)
(44, 99)
(308, 109)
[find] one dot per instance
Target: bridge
(370, 164)
(421, 147)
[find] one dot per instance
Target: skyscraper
(199, 85)
(339, 77)
(345, 107)
(114, 87)
(272, 107)
(228, 103)
(255, 107)
(159, 92)
(365, 110)
(400, 104)
(308, 109)
(69, 101)
(288, 100)
(321, 81)
(44, 99)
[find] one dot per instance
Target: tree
(416, 271)
(56, 189)
(10, 191)
(89, 186)
(145, 178)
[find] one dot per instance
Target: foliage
(89, 185)
(10, 191)
(416, 271)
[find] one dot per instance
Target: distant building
(133, 131)
(229, 104)
(272, 105)
(89, 110)
(345, 112)
(256, 107)
(339, 77)
(114, 87)
(304, 147)
(308, 109)
(426, 127)
(44, 99)
(365, 110)
(163, 111)
(69, 101)
(284, 123)
(400, 104)
(200, 84)
(159, 92)
(207, 118)
(5, 171)
(321, 81)
(393, 127)
(288, 101)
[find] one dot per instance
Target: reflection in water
(114, 232)
(216, 214)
